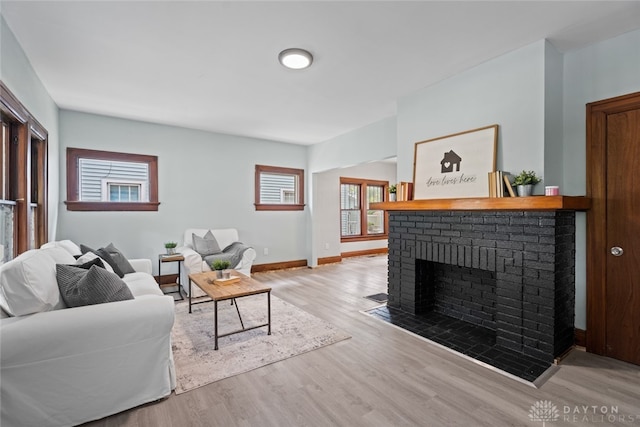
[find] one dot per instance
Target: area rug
(293, 332)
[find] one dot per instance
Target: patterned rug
(293, 332)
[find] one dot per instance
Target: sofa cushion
(142, 284)
(206, 245)
(119, 258)
(67, 245)
(80, 287)
(28, 282)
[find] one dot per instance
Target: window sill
(363, 238)
(111, 206)
(292, 207)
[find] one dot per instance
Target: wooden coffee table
(244, 287)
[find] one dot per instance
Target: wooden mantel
(533, 203)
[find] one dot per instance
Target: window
(279, 189)
(109, 181)
(23, 181)
(357, 221)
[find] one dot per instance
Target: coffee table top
(246, 286)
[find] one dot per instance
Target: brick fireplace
(509, 271)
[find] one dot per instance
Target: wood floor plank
(382, 376)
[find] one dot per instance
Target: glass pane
(350, 223)
(375, 193)
(375, 222)
(6, 232)
(278, 188)
(32, 226)
(349, 196)
(114, 193)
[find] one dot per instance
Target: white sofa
(193, 262)
(66, 366)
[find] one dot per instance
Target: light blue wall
(19, 76)
(553, 147)
(603, 70)
(508, 91)
(205, 180)
(376, 141)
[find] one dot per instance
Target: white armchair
(193, 262)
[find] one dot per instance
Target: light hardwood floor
(383, 376)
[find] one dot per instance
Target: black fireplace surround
(511, 272)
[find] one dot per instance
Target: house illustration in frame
(450, 160)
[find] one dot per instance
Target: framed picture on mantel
(455, 166)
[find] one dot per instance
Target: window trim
(299, 173)
(364, 236)
(72, 202)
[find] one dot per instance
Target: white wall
(604, 70)
(327, 209)
(205, 180)
(19, 76)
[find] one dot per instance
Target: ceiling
(212, 65)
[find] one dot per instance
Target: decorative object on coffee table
(220, 266)
(525, 181)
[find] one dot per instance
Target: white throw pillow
(89, 256)
(28, 283)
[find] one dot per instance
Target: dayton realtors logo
(545, 411)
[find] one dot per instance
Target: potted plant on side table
(219, 265)
(525, 181)
(170, 247)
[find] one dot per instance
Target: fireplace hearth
(510, 273)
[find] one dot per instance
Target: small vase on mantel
(524, 190)
(392, 197)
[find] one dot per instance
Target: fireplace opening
(467, 294)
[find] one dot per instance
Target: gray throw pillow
(105, 255)
(206, 245)
(123, 263)
(80, 287)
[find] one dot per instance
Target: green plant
(170, 245)
(527, 178)
(392, 189)
(219, 264)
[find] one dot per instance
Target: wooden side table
(162, 258)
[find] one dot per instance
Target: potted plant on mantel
(219, 266)
(392, 193)
(170, 247)
(525, 181)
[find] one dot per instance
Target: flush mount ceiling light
(296, 59)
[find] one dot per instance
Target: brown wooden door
(613, 293)
(623, 231)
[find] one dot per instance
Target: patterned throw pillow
(80, 287)
(206, 245)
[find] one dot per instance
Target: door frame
(597, 250)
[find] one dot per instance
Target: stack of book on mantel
(405, 191)
(500, 185)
